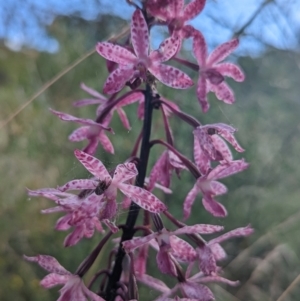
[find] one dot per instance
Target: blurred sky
(24, 22)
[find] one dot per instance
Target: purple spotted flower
(170, 246)
(135, 65)
(84, 213)
(73, 289)
(212, 72)
(210, 188)
(208, 146)
(104, 184)
(175, 14)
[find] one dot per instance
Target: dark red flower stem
(88, 262)
(190, 165)
(183, 116)
(129, 230)
(186, 63)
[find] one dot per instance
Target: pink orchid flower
(73, 289)
(212, 72)
(102, 102)
(210, 188)
(135, 65)
(208, 146)
(192, 288)
(168, 246)
(162, 170)
(92, 131)
(175, 14)
(107, 186)
(82, 212)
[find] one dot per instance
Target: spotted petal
(48, 263)
(117, 79)
(171, 76)
(139, 34)
(192, 9)
(222, 51)
(143, 198)
(115, 53)
(92, 164)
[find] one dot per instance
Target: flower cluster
(88, 204)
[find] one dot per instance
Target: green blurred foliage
(36, 153)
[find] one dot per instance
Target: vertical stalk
(128, 231)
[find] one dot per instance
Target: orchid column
(94, 206)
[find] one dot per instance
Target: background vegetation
(35, 153)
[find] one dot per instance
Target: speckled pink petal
(206, 143)
(182, 250)
(201, 159)
(67, 117)
(52, 210)
(161, 9)
(92, 146)
(213, 207)
(223, 171)
(239, 232)
(176, 7)
(93, 92)
(218, 251)
(111, 226)
(136, 242)
(97, 224)
(207, 261)
(139, 34)
(167, 49)
(222, 51)
(93, 165)
(227, 133)
(171, 76)
(223, 92)
(74, 237)
(106, 143)
(63, 223)
(175, 161)
(117, 79)
(131, 97)
(229, 69)
(143, 198)
(89, 229)
(197, 291)
(124, 172)
(165, 263)
(160, 172)
(217, 188)
(192, 9)
(198, 228)
(109, 210)
(79, 134)
(202, 93)
(45, 194)
(140, 261)
(222, 148)
(115, 53)
(154, 283)
(86, 102)
(189, 201)
(200, 49)
(48, 263)
(53, 279)
(123, 118)
(79, 185)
